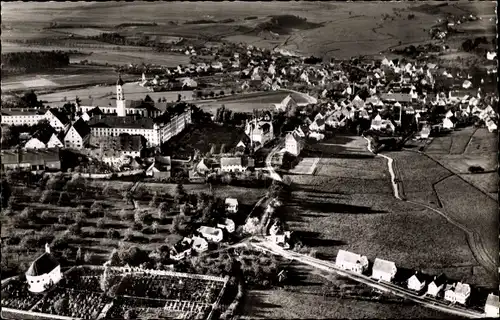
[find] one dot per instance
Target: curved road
(473, 239)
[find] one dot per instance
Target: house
(211, 234)
(282, 239)
(202, 168)
(351, 261)
(34, 143)
(32, 160)
(448, 124)
(57, 119)
(449, 293)
(232, 205)
(491, 125)
(425, 132)
(259, 131)
(293, 143)
(44, 272)
(228, 225)
(234, 164)
(436, 285)
(416, 282)
(317, 125)
(160, 168)
(383, 270)
(21, 116)
(55, 141)
(462, 293)
(78, 135)
(199, 244)
(181, 249)
(286, 104)
(491, 307)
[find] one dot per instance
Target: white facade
(448, 124)
(491, 307)
(152, 135)
(72, 139)
(54, 121)
(42, 282)
(211, 234)
(415, 284)
(292, 144)
(383, 270)
(351, 261)
(232, 205)
(34, 143)
(462, 293)
(54, 142)
(449, 294)
(433, 289)
(29, 119)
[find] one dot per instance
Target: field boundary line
(470, 139)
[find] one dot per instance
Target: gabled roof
(383, 265)
(462, 289)
(439, 280)
(492, 300)
(349, 257)
(419, 276)
(42, 265)
(81, 127)
(61, 116)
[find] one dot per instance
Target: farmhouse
(77, 135)
(435, 287)
(235, 164)
(383, 270)
(416, 282)
(462, 292)
(20, 116)
(44, 272)
(351, 261)
(231, 205)
(259, 131)
(57, 119)
(199, 244)
(160, 168)
(293, 143)
(211, 234)
(32, 160)
(491, 307)
(181, 250)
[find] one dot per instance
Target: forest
(21, 62)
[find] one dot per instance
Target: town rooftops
(129, 122)
(34, 157)
(42, 265)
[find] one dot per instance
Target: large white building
(351, 261)
(260, 131)
(383, 270)
(19, 117)
(44, 272)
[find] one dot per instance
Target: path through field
(474, 240)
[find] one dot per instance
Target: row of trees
(20, 62)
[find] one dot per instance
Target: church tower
(120, 98)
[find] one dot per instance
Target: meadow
(349, 204)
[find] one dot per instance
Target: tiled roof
(122, 122)
(22, 112)
(43, 265)
(81, 127)
(59, 115)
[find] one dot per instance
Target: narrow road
(473, 239)
(269, 167)
(380, 285)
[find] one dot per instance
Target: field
(61, 78)
(348, 204)
(133, 91)
(138, 291)
(248, 101)
(346, 29)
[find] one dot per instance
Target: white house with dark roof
(44, 272)
(211, 234)
(231, 205)
(57, 119)
(317, 125)
(293, 143)
(449, 292)
(416, 282)
(351, 261)
(77, 135)
(491, 307)
(383, 270)
(436, 285)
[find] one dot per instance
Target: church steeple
(120, 98)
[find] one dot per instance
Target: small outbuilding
(44, 272)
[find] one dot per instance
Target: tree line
(19, 62)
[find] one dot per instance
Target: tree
(114, 258)
(179, 97)
(5, 192)
(148, 99)
(221, 93)
(79, 256)
(96, 209)
(155, 226)
(113, 234)
(61, 306)
(106, 280)
(100, 223)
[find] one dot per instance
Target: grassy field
(61, 78)
(346, 29)
(349, 204)
(132, 90)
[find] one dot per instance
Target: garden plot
(305, 166)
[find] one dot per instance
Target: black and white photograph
(249, 160)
